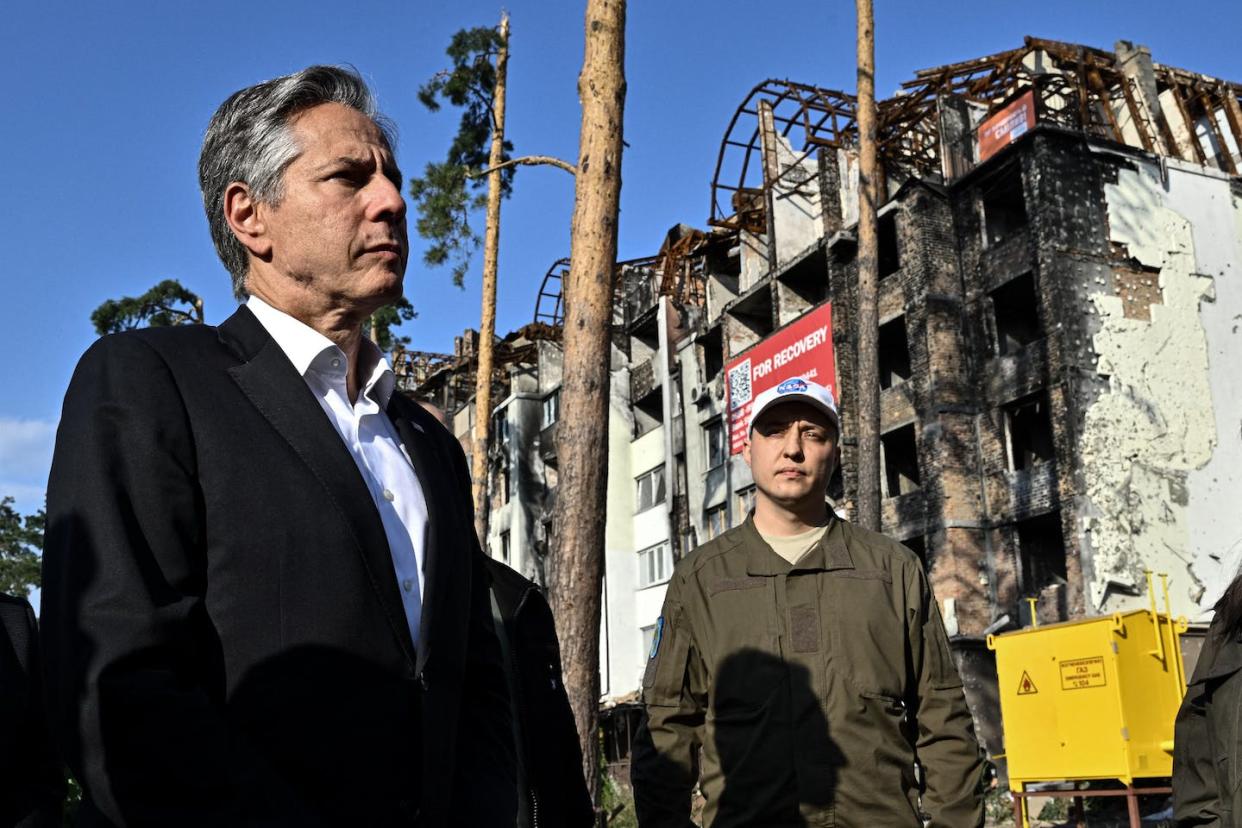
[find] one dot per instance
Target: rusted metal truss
(416, 370)
(548, 306)
(674, 272)
(412, 368)
(1179, 114)
(807, 116)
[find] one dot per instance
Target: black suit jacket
(32, 779)
(224, 635)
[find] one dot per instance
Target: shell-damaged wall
(1161, 445)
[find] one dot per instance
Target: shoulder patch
(656, 638)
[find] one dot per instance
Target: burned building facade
(1060, 303)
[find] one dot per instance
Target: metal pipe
(1155, 618)
(1179, 674)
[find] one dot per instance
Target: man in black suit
(263, 597)
(32, 779)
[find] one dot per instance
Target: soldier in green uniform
(800, 669)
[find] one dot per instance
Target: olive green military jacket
(1207, 740)
(811, 690)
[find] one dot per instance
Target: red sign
(1006, 126)
(803, 348)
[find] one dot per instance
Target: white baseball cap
(795, 389)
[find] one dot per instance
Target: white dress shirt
(369, 436)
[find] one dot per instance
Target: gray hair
(249, 140)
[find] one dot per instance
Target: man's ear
(241, 211)
(746, 450)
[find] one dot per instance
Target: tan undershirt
(793, 547)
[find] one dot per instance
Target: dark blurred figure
(552, 789)
(32, 781)
(1207, 751)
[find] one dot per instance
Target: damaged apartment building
(1060, 301)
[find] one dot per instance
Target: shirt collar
(830, 553)
(312, 352)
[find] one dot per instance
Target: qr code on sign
(739, 385)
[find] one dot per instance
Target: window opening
(655, 564)
(745, 502)
(894, 353)
(1004, 207)
(714, 438)
(1041, 553)
(1014, 307)
(650, 488)
(901, 461)
(1028, 430)
(551, 408)
(715, 521)
(886, 253)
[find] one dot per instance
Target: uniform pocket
(868, 632)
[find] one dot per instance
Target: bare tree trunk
(577, 566)
(487, 316)
(868, 319)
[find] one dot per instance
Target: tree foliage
(168, 303)
(21, 539)
(387, 318)
(450, 191)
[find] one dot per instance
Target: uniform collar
(830, 553)
(312, 352)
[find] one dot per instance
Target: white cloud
(25, 460)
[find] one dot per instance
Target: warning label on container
(1026, 687)
(1080, 673)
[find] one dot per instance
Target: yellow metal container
(1091, 699)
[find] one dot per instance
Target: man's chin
(793, 500)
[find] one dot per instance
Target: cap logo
(790, 386)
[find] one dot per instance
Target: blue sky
(105, 103)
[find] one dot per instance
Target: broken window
(1015, 309)
(650, 489)
(805, 283)
(501, 429)
(1028, 432)
(888, 260)
(746, 501)
(551, 408)
(715, 521)
(900, 457)
(648, 410)
(1041, 553)
(500, 486)
(712, 343)
(1004, 206)
(894, 354)
(714, 439)
(752, 319)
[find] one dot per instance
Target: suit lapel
(274, 387)
(430, 465)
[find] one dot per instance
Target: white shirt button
(407, 584)
(389, 496)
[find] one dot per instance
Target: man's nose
(792, 446)
(386, 199)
